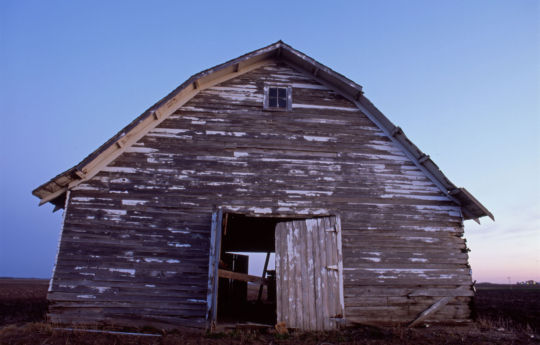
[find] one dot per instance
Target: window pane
(277, 97)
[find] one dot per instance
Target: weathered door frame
(213, 266)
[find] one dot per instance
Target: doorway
(246, 295)
(303, 287)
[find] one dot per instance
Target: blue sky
(462, 78)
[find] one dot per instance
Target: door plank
(310, 255)
(340, 268)
(312, 224)
(323, 272)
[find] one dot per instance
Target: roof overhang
(54, 190)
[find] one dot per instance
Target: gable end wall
(134, 248)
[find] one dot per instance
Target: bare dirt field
(504, 315)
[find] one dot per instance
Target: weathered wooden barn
(271, 152)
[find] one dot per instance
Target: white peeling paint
(297, 172)
(132, 202)
(235, 134)
(169, 130)
(243, 173)
(174, 231)
(319, 139)
(423, 239)
(163, 160)
(84, 186)
(135, 149)
(126, 170)
(177, 188)
(129, 271)
(372, 259)
(173, 261)
(120, 180)
(152, 260)
(312, 211)
(115, 212)
(283, 203)
(82, 198)
(240, 154)
(264, 210)
(101, 289)
(150, 285)
(166, 171)
(308, 192)
(417, 260)
(146, 187)
(86, 296)
(68, 286)
(179, 245)
(166, 132)
(325, 121)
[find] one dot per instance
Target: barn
(271, 153)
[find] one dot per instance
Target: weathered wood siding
(135, 243)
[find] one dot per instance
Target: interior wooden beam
(241, 276)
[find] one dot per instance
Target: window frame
(266, 105)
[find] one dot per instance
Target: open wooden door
(309, 274)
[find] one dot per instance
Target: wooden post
(213, 275)
(263, 276)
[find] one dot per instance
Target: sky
(462, 78)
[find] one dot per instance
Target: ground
(504, 315)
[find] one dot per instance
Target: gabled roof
(54, 190)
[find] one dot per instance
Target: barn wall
(136, 237)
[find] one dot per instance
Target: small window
(277, 98)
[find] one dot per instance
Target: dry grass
(42, 333)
